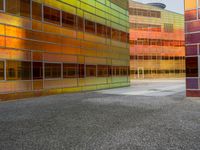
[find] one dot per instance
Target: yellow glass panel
(190, 4)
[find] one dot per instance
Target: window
(115, 34)
(52, 70)
(17, 70)
(80, 24)
(81, 72)
(25, 8)
(36, 11)
(37, 70)
(91, 70)
(68, 20)
(13, 6)
(124, 71)
(108, 32)
(102, 70)
(1, 4)
(124, 37)
(70, 70)
(116, 71)
(1, 70)
(89, 26)
(192, 67)
(51, 15)
(18, 7)
(101, 30)
(168, 27)
(145, 13)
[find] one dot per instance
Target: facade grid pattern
(58, 46)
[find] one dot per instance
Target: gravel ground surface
(97, 121)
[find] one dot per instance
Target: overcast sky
(173, 5)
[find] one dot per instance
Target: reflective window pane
(18, 70)
(37, 70)
(89, 26)
(1, 70)
(25, 8)
(13, 6)
(101, 30)
(52, 70)
(102, 70)
(81, 70)
(1, 5)
(91, 70)
(18, 7)
(36, 11)
(68, 20)
(80, 23)
(51, 15)
(70, 70)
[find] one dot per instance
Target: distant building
(192, 33)
(58, 46)
(156, 41)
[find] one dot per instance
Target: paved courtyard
(150, 115)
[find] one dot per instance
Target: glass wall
(157, 45)
(192, 34)
(55, 46)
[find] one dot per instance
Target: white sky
(173, 5)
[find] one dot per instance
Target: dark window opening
(68, 20)
(70, 70)
(51, 15)
(1, 70)
(37, 70)
(91, 70)
(52, 70)
(36, 11)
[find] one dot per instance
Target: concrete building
(156, 41)
(57, 46)
(192, 34)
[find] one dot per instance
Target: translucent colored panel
(15, 86)
(191, 50)
(191, 15)
(192, 83)
(192, 26)
(190, 4)
(15, 54)
(192, 38)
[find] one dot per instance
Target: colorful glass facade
(58, 46)
(192, 34)
(156, 42)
